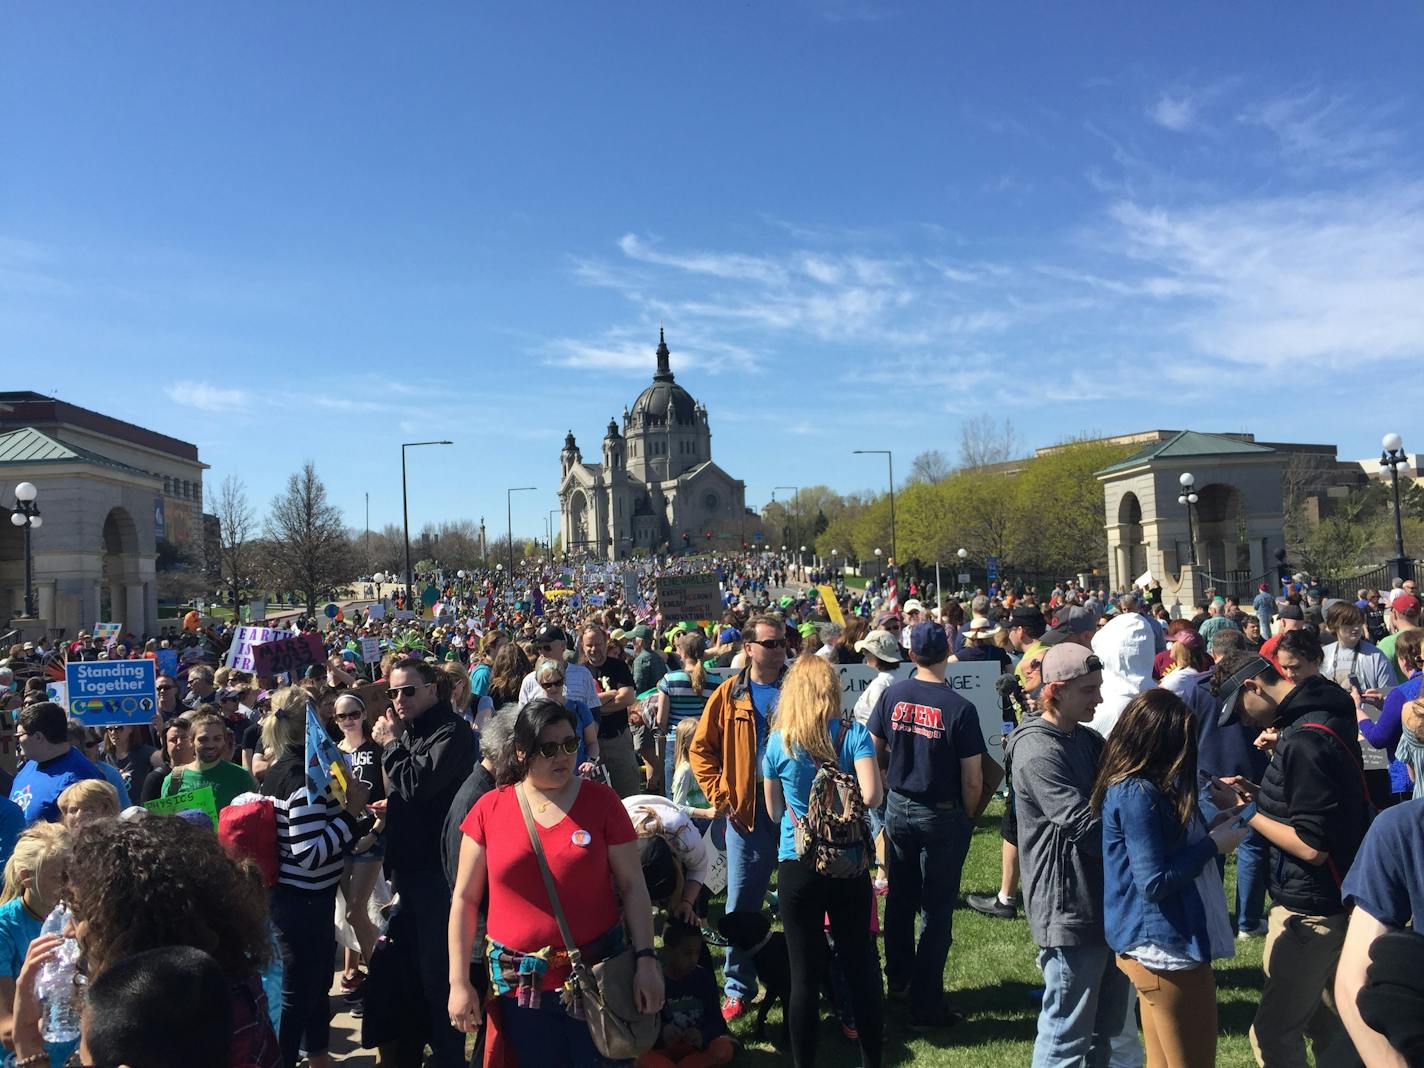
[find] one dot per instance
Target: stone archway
(578, 524)
(1223, 545)
(1132, 549)
(121, 593)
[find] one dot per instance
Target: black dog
(751, 931)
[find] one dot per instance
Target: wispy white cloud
(1176, 113)
(207, 397)
(1314, 128)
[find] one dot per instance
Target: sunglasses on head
(405, 691)
(548, 749)
(770, 643)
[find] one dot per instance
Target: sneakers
(934, 1021)
(990, 905)
(732, 1008)
(1252, 931)
(849, 1030)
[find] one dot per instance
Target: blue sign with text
(105, 693)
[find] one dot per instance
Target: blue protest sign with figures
(106, 693)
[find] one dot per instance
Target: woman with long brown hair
(507, 673)
(1164, 908)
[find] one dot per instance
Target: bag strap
(575, 958)
(1359, 767)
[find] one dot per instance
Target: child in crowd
(86, 801)
(686, 794)
(32, 887)
(693, 1033)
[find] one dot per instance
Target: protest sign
(683, 597)
(58, 692)
(401, 615)
(373, 696)
(376, 611)
(833, 606)
(107, 632)
(201, 799)
(370, 650)
(288, 654)
(256, 611)
(167, 661)
(331, 611)
(105, 693)
(239, 654)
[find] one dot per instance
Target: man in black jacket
(1312, 807)
(427, 752)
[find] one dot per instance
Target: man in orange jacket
(726, 758)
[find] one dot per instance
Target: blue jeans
(548, 1036)
(750, 860)
(1252, 860)
(1084, 1002)
(925, 851)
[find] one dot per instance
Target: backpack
(835, 834)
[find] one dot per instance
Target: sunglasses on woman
(548, 749)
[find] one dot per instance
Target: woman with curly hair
(162, 881)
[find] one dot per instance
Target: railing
(1378, 578)
(1238, 582)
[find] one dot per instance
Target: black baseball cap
(1230, 690)
(549, 633)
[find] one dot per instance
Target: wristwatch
(652, 954)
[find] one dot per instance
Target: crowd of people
(536, 814)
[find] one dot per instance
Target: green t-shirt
(1386, 646)
(226, 778)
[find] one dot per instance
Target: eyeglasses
(770, 643)
(348, 715)
(553, 684)
(406, 691)
(165, 689)
(569, 746)
(544, 647)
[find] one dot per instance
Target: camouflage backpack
(835, 834)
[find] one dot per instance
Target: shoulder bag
(619, 1030)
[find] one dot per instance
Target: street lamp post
(1189, 497)
(27, 514)
(509, 522)
(880, 570)
(796, 490)
(890, 461)
(405, 513)
(963, 555)
(1394, 457)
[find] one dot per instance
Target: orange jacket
(723, 754)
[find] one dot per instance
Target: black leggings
(805, 899)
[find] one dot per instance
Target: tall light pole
(890, 461)
(1394, 457)
(27, 514)
(552, 512)
(1189, 497)
(509, 523)
(796, 490)
(405, 514)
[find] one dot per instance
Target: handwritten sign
(288, 654)
(371, 650)
(376, 611)
(683, 597)
(239, 655)
(201, 800)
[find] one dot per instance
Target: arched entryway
(1132, 549)
(578, 522)
(118, 598)
(1223, 545)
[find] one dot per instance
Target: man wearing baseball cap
(931, 748)
(1312, 806)
(1403, 615)
(1055, 763)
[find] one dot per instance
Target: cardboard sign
(288, 654)
(167, 661)
(200, 799)
(373, 695)
(371, 650)
(104, 693)
(239, 654)
(833, 606)
(716, 880)
(686, 597)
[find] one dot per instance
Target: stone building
(109, 491)
(656, 486)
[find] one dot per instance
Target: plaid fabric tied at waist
(523, 974)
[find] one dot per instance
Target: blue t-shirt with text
(928, 729)
(37, 786)
(796, 772)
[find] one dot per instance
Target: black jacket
(1314, 784)
(424, 768)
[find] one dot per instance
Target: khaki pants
(1178, 1014)
(1298, 999)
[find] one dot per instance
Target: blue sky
(289, 232)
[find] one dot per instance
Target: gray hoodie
(1060, 839)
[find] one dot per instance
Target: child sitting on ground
(693, 1033)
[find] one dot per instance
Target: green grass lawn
(992, 977)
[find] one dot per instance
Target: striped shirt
(311, 838)
(683, 701)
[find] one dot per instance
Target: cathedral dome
(664, 402)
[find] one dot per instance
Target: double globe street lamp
(1394, 457)
(1189, 497)
(27, 514)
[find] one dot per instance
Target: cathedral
(657, 489)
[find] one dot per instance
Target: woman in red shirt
(591, 846)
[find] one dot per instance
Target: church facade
(656, 488)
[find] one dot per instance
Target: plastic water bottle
(61, 984)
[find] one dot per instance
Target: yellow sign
(833, 607)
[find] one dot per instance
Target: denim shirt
(1150, 866)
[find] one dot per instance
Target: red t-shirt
(576, 847)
